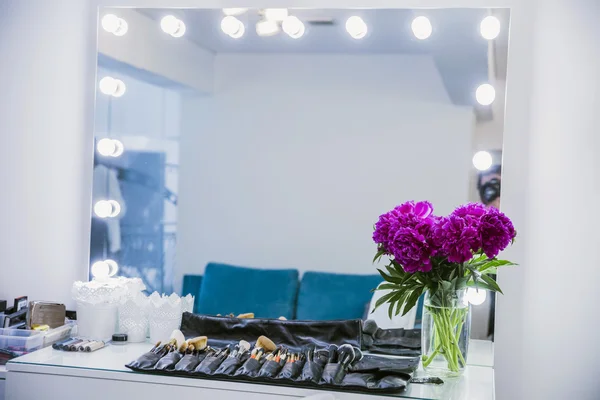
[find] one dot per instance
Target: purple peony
(405, 233)
(458, 234)
(497, 232)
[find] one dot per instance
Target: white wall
(294, 157)
(46, 123)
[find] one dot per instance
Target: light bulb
(485, 94)
(482, 160)
(276, 14)
(173, 26)
(421, 27)
(110, 147)
(107, 208)
(233, 27)
(266, 28)
(115, 208)
(476, 296)
(490, 27)
(356, 27)
(106, 147)
(234, 11)
(293, 27)
(112, 87)
(115, 25)
(102, 270)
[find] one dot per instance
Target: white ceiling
(458, 49)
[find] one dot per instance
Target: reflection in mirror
(273, 139)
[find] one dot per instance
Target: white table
(102, 375)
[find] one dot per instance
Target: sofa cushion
(268, 293)
(191, 285)
(325, 296)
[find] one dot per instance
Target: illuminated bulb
(111, 86)
(266, 28)
(102, 270)
(485, 94)
(107, 208)
(276, 14)
(476, 296)
(173, 26)
(110, 147)
(232, 27)
(490, 27)
(421, 27)
(293, 27)
(234, 11)
(115, 208)
(482, 160)
(356, 27)
(115, 25)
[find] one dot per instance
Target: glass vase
(445, 332)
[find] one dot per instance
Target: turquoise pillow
(191, 285)
(326, 296)
(268, 293)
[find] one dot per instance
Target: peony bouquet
(442, 256)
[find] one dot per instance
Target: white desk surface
(109, 363)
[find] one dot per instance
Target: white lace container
(97, 305)
(164, 314)
(133, 319)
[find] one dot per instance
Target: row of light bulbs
(275, 19)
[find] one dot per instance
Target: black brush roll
(229, 366)
(333, 373)
(359, 380)
(145, 361)
(168, 362)
(250, 368)
(291, 370)
(270, 369)
(188, 363)
(209, 365)
(311, 372)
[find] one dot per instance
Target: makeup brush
(333, 351)
(191, 349)
(243, 347)
(246, 315)
(178, 336)
(200, 342)
(264, 342)
(183, 348)
(346, 353)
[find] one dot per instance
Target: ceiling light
(111, 86)
(356, 27)
(276, 14)
(421, 27)
(490, 27)
(482, 160)
(485, 94)
(267, 28)
(234, 11)
(115, 25)
(293, 27)
(233, 27)
(173, 26)
(107, 208)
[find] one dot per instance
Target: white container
(96, 321)
(133, 319)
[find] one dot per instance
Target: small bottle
(119, 338)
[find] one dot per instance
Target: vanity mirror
(272, 137)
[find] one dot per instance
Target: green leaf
(492, 283)
(401, 301)
(461, 283)
(494, 264)
(394, 272)
(383, 299)
(392, 279)
(412, 300)
(380, 253)
(388, 286)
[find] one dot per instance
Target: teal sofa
(273, 293)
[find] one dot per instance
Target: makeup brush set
(295, 353)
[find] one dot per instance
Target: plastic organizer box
(20, 341)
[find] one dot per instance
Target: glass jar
(445, 332)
